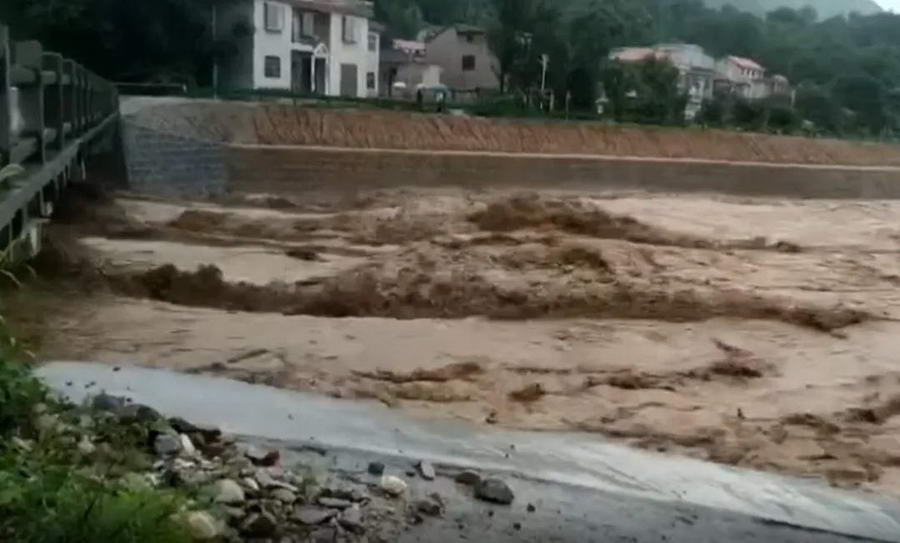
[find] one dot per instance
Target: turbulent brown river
(748, 332)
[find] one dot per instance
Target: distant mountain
(825, 8)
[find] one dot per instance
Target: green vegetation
(845, 68)
(57, 488)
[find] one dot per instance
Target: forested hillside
(825, 8)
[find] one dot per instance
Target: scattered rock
(137, 413)
(229, 492)
(427, 470)
(312, 515)
(182, 426)
(260, 525)
(203, 526)
(261, 457)
(251, 484)
(345, 492)
(335, 503)
(393, 486)
(283, 495)
(265, 480)
(167, 444)
(428, 507)
(234, 512)
(187, 446)
(494, 491)
(468, 478)
(531, 508)
(214, 449)
(352, 520)
(105, 402)
(323, 535)
(376, 468)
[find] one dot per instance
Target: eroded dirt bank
(270, 124)
(754, 333)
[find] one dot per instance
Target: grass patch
(54, 491)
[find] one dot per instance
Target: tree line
(846, 70)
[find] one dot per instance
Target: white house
(309, 46)
(696, 69)
(745, 77)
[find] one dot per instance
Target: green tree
(865, 96)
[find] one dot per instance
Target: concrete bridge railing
(51, 110)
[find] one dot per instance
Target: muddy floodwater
(755, 333)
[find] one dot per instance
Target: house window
(274, 17)
(273, 67)
(309, 24)
(470, 38)
(468, 63)
(348, 29)
(296, 26)
(370, 80)
(373, 42)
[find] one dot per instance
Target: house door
(320, 76)
(301, 68)
(349, 80)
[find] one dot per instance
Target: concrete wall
(166, 164)
(262, 169)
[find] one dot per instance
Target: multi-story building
(404, 69)
(741, 76)
(696, 69)
(701, 76)
(466, 61)
(323, 47)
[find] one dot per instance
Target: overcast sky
(893, 5)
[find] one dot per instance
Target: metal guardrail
(50, 108)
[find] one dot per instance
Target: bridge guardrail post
(82, 99)
(5, 99)
(69, 99)
(28, 54)
(53, 99)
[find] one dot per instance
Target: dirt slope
(289, 125)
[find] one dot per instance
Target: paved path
(586, 489)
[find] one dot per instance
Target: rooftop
(746, 63)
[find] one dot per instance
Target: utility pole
(545, 60)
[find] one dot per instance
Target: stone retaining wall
(288, 170)
(164, 164)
